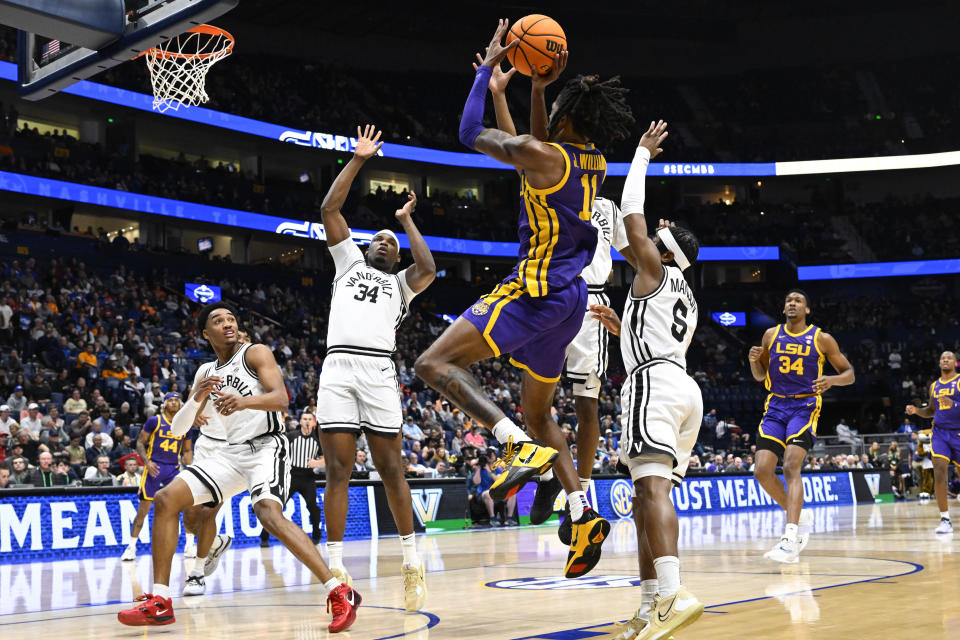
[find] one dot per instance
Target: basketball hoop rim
(207, 29)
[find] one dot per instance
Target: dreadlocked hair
(598, 109)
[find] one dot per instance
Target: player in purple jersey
(161, 452)
(535, 313)
(944, 408)
(790, 364)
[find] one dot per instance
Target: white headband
(389, 233)
(666, 236)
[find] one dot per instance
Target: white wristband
(634, 188)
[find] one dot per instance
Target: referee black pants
(304, 482)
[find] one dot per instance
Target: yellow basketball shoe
(414, 587)
(671, 614)
(342, 576)
(520, 463)
(630, 629)
(588, 534)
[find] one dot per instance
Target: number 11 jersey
(368, 304)
(659, 326)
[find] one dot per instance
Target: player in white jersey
(358, 390)
(662, 406)
(586, 363)
(242, 390)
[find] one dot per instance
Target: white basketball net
(178, 67)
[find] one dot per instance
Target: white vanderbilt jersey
(239, 379)
(659, 325)
(611, 232)
(368, 304)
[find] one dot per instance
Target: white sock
(648, 589)
(330, 585)
(197, 566)
(161, 590)
(132, 544)
(190, 539)
(506, 428)
(578, 504)
(945, 515)
(790, 532)
(548, 476)
(335, 555)
(585, 484)
(408, 545)
(668, 575)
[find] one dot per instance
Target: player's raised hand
(205, 387)
(403, 214)
(496, 51)
(368, 142)
(755, 354)
(559, 64)
(499, 80)
(607, 317)
(654, 137)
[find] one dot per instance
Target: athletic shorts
(587, 355)
(945, 443)
(534, 331)
(662, 412)
(149, 485)
(204, 447)
(359, 393)
(789, 421)
(260, 466)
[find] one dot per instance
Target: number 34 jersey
(659, 326)
(795, 361)
(368, 304)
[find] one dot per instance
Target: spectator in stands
(64, 469)
(96, 448)
(29, 445)
(874, 455)
(444, 471)
(75, 404)
(4, 478)
(907, 427)
(735, 467)
(7, 421)
(474, 438)
(457, 442)
(411, 431)
(413, 466)
(87, 360)
(125, 416)
(893, 464)
(17, 401)
(124, 447)
(33, 421)
(81, 424)
(45, 475)
(100, 470)
(77, 454)
(846, 435)
(53, 423)
(19, 470)
(102, 426)
(131, 473)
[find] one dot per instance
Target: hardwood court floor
(869, 572)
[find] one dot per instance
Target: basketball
(541, 38)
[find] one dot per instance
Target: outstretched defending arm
(645, 253)
(334, 224)
(424, 269)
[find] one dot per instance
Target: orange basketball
(541, 38)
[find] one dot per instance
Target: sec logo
(621, 498)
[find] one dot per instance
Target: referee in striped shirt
(304, 458)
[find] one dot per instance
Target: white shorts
(359, 393)
(205, 447)
(587, 355)
(662, 412)
(260, 466)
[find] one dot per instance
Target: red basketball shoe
(154, 611)
(342, 603)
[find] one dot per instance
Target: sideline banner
(92, 522)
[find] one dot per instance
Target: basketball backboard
(63, 41)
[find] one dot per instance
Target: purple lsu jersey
(946, 403)
(162, 446)
(557, 239)
(795, 362)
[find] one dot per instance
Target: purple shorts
(534, 331)
(149, 485)
(945, 443)
(789, 421)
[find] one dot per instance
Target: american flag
(49, 50)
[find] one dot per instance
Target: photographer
(478, 487)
